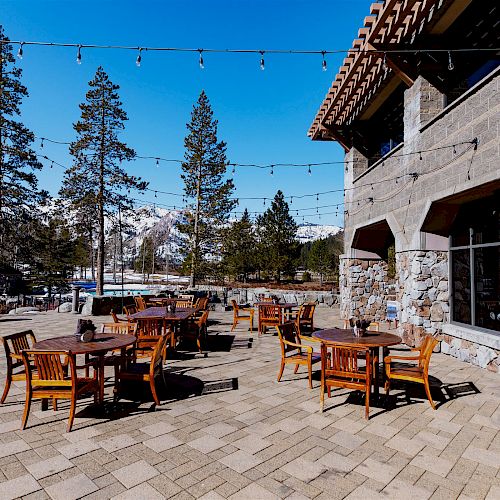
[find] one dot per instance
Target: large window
(475, 264)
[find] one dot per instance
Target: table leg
(376, 370)
(101, 378)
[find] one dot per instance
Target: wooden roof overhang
(362, 83)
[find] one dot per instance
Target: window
(475, 264)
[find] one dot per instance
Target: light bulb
(139, 58)
(157, 162)
(79, 55)
(272, 169)
(451, 66)
(384, 62)
(309, 170)
(201, 62)
(323, 64)
(262, 63)
(20, 51)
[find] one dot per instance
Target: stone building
(420, 129)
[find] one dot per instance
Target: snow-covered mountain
(311, 232)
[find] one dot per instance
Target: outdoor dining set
(136, 347)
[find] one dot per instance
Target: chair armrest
(308, 348)
(388, 359)
(16, 356)
(312, 339)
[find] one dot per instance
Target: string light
(384, 62)
(454, 150)
(420, 155)
(20, 51)
(157, 162)
(201, 62)
(451, 66)
(79, 55)
(323, 64)
(52, 164)
(155, 195)
(272, 170)
(309, 169)
(41, 143)
(291, 200)
(139, 58)
(262, 63)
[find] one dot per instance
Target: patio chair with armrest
(130, 369)
(305, 317)
(293, 351)
(340, 368)
(116, 319)
(54, 382)
(241, 314)
(13, 345)
(129, 310)
(413, 373)
(140, 303)
(269, 315)
(196, 330)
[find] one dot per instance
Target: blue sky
(263, 115)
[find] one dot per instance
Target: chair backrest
(129, 310)
(140, 303)
(157, 356)
(120, 328)
(201, 303)
(287, 332)
(202, 320)
(148, 327)
(187, 297)
(341, 362)
(49, 367)
(183, 303)
(114, 316)
(266, 299)
(270, 312)
(16, 342)
(426, 348)
(306, 311)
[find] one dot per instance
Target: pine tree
(239, 247)
(19, 196)
(96, 181)
(205, 187)
(277, 230)
(321, 259)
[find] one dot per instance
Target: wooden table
(102, 343)
(372, 340)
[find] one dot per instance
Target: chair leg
(322, 397)
(54, 404)
(153, 391)
(27, 407)
(367, 403)
(251, 322)
(309, 369)
(428, 392)
(235, 322)
(296, 369)
(72, 410)
(280, 373)
(387, 387)
(8, 381)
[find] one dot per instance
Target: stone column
(75, 302)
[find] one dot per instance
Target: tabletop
(102, 342)
(161, 312)
(283, 305)
(370, 339)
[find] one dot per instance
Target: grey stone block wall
(422, 271)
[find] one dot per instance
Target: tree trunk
(100, 202)
(194, 249)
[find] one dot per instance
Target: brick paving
(227, 429)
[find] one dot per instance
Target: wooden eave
(361, 75)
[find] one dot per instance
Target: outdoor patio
(227, 429)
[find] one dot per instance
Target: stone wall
(422, 293)
(471, 352)
(364, 289)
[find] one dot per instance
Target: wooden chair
(268, 316)
(305, 317)
(339, 368)
(266, 299)
(196, 330)
(143, 372)
(129, 310)
(149, 331)
(411, 373)
(116, 319)
(53, 383)
(140, 303)
(13, 345)
(238, 316)
(374, 326)
(292, 350)
(201, 303)
(183, 304)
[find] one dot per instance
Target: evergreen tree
(209, 193)
(277, 231)
(96, 182)
(19, 196)
(321, 259)
(239, 248)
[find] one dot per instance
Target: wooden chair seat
(315, 357)
(410, 371)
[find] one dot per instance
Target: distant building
(420, 129)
